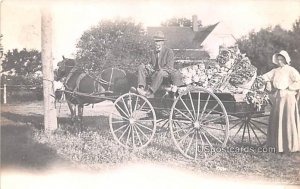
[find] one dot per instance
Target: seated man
(160, 67)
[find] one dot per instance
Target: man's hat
(159, 36)
(281, 53)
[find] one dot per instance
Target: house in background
(220, 36)
(190, 44)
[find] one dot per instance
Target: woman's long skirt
(284, 127)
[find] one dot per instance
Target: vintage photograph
(150, 94)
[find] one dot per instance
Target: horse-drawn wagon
(200, 121)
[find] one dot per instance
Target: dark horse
(84, 88)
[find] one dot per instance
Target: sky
(20, 19)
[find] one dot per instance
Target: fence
(10, 93)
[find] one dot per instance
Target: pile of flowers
(257, 98)
(257, 95)
(232, 72)
(243, 71)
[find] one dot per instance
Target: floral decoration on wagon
(257, 95)
(232, 72)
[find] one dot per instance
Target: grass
(24, 145)
(94, 148)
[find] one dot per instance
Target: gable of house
(183, 37)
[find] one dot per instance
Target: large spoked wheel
(199, 124)
(249, 129)
(134, 123)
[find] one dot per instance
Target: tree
(22, 63)
(114, 43)
(295, 44)
(22, 67)
(179, 22)
(1, 47)
(260, 46)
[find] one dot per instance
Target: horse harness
(98, 82)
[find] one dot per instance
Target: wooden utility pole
(50, 119)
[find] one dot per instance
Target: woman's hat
(281, 53)
(159, 36)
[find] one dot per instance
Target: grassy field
(24, 146)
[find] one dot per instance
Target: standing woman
(284, 123)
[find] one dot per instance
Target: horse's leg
(80, 113)
(72, 109)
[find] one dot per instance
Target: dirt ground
(36, 109)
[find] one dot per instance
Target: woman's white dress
(284, 123)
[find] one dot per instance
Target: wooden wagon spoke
(238, 130)
(145, 120)
(244, 130)
(166, 122)
(126, 107)
(203, 144)
(120, 116)
(216, 138)
(185, 136)
(217, 112)
(136, 103)
(196, 145)
(122, 110)
(260, 122)
(209, 120)
(202, 141)
(254, 133)
(181, 129)
(204, 108)
(236, 124)
(141, 125)
(209, 112)
(175, 131)
(148, 111)
(142, 105)
(207, 139)
(214, 128)
(124, 132)
(132, 135)
(249, 137)
(191, 100)
(129, 132)
(190, 143)
(185, 123)
(183, 114)
(137, 134)
(160, 120)
(187, 108)
(198, 106)
(258, 128)
(121, 121)
(121, 127)
(142, 133)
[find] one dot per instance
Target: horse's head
(63, 68)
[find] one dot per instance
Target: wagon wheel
(199, 124)
(134, 125)
(162, 117)
(250, 128)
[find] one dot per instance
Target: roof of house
(183, 37)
